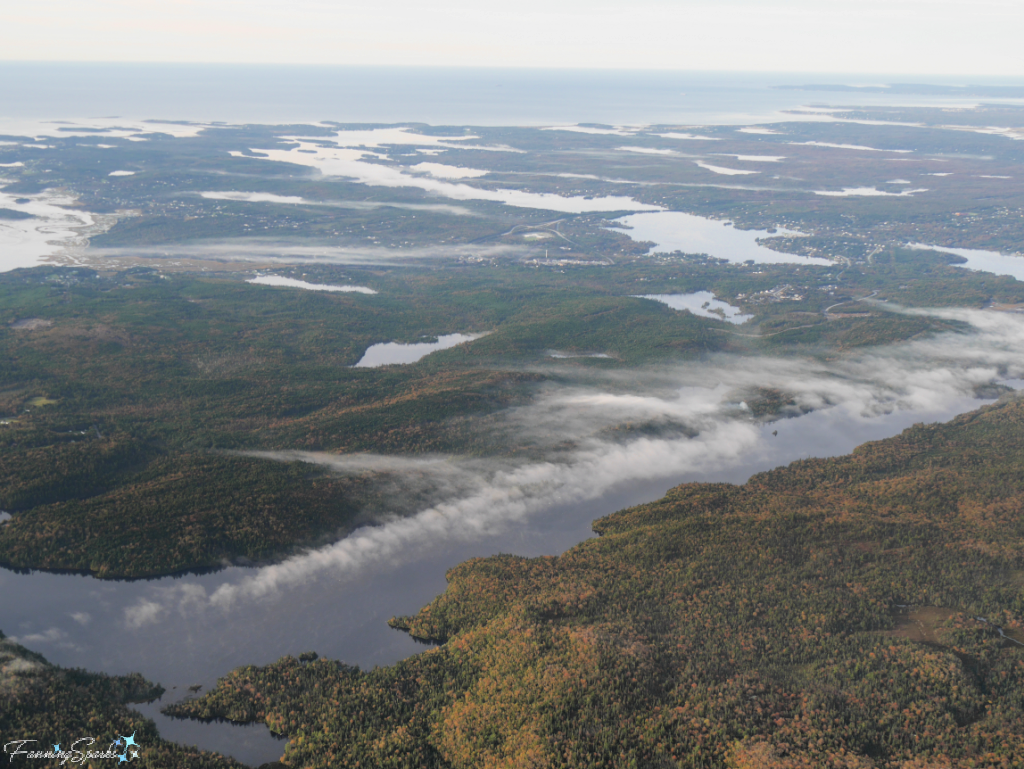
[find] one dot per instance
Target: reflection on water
(676, 231)
(393, 352)
(251, 744)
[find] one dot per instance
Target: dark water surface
(81, 621)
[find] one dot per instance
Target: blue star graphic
(56, 748)
(117, 741)
(130, 740)
(121, 759)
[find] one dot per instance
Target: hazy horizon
(728, 35)
(278, 93)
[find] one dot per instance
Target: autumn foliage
(763, 625)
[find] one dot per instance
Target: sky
(979, 37)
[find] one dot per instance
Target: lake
(982, 261)
(388, 353)
(675, 231)
(702, 303)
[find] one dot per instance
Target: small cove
(981, 260)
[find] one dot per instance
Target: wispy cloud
(284, 252)
(358, 205)
(574, 429)
(51, 636)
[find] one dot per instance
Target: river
(81, 621)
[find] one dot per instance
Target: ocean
(276, 94)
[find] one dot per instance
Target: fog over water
(169, 630)
(336, 599)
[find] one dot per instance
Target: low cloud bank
(578, 431)
(283, 252)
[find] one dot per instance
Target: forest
(55, 706)
(130, 398)
(860, 611)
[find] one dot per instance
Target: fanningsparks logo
(123, 749)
